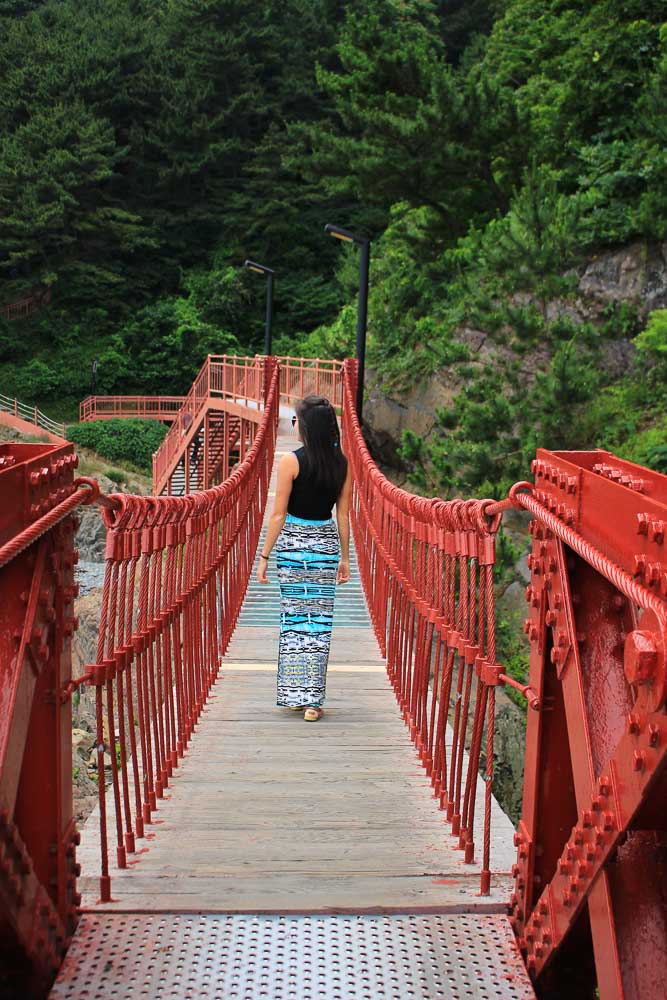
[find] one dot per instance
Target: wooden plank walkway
(269, 814)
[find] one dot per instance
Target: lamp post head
(344, 234)
(252, 265)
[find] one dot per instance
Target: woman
(310, 481)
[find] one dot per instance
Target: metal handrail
(31, 414)
(123, 407)
(301, 377)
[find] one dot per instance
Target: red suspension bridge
(235, 852)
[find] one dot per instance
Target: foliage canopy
(488, 149)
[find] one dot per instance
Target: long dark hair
(320, 434)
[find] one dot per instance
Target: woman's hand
(261, 571)
(343, 571)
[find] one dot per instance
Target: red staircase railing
(224, 376)
(239, 379)
(176, 574)
(163, 408)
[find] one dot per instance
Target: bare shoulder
(288, 464)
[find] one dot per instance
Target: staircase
(216, 456)
(193, 454)
(261, 606)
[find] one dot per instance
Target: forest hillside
(508, 158)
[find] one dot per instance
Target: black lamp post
(364, 244)
(261, 269)
(93, 377)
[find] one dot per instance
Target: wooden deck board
(267, 813)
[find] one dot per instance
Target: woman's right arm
(343, 519)
(288, 469)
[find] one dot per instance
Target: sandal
(313, 714)
(296, 708)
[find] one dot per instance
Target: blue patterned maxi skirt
(307, 562)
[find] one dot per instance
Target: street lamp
(261, 269)
(364, 244)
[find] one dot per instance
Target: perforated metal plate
(292, 958)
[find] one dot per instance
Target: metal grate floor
(257, 957)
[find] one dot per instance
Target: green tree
(57, 214)
(399, 128)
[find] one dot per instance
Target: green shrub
(131, 441)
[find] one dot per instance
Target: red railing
(163, 408)
(27, 306)
(301, 377)
(239, 379)
(176, 573)
(591, 841)
(427, 571)
(235, 378)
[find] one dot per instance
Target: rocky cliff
(633, 278)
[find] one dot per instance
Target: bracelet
(264, 557)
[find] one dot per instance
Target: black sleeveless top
(306, 499)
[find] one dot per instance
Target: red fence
(590, 894)
(592, 842)
(236, 379)
(163, 408)
(176, 574)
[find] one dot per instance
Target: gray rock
(617, 357)
(474, 340)
(636, 274)
(563, 309)
(388, 414)
(513, 600)
(84, 652)
(655, 290)
(89, 576)
(508, 755)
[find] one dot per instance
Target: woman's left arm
(288, 468)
